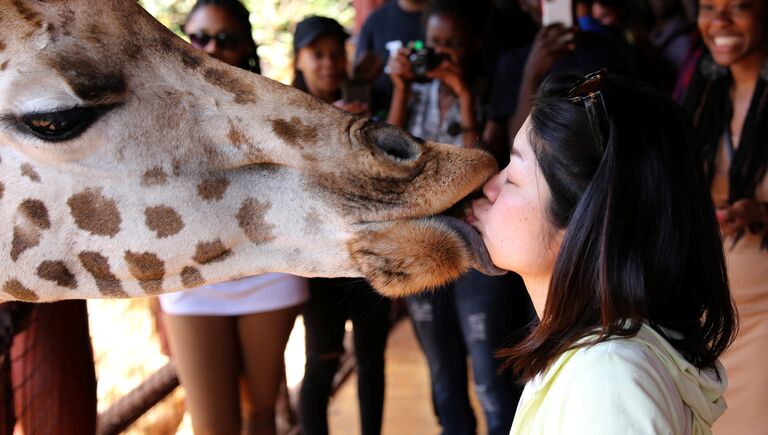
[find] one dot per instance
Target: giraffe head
(133, 164)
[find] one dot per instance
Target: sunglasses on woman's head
(589, 93)
(224, 40)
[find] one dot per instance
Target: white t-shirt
(254, 294)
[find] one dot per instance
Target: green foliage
(273, 23)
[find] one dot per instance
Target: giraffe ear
(406, 257)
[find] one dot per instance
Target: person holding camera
(320, 69)
(435, 97)
(432, 90)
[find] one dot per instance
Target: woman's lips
(469, 213)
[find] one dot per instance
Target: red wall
(362, 9)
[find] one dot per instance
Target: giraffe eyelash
(61, 125)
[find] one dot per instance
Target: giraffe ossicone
(132, 164)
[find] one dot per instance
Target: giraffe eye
(61, 125)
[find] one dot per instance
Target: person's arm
(523, 107)
(470, 136)
(551, 44)
(364, 40)
(402, 76)
(450, 73)
(744, 215)
(398, 109)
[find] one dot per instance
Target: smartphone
(557, 11)
(356, 90)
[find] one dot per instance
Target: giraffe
(132, 165)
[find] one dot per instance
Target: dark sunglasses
(589, 92)
(223, 40)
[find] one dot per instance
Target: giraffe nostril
(393, 142)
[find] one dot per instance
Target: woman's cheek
(497, 235)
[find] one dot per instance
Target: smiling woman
(727, 103)
(615, 237)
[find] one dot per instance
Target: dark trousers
(331, 303)
(474, 316)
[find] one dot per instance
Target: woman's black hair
(708, 102)
(470, 16)
(242, 16)
(641, 240)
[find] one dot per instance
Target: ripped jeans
(331, 303)
(475, 316)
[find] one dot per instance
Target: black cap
(313, 27)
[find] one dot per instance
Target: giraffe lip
(479, 256)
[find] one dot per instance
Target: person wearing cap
(320, 61)
(321, 70)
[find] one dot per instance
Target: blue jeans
(476, 315)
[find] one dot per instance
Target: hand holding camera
(421, 64)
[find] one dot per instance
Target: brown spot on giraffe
(98, 266)
(190, 277)
(148, 269)
(176, 165)
(212, 188)
(236, 137)
(154, 177)
(23, 239)
(90, 78)
(2, 190)
(251, 218)
(28, 14)
(229, 81)
(211, 252)
(28, 171)
(190, 59)
(212, 154)
(35, 212)
(163, 220)
(33, 217)
(2, 45)
(312, 225)
(4, 65)
(18, 291)
(294, 132)
(95, 213)
(57, 271)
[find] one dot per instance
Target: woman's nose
(211, 47)
(722, 15)
(492, 187)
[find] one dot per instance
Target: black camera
(424, 59)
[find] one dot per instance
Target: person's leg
(370, 313)
(205, 351)
(324, 321)
(437, 328)
(489, 321)
(263, 337)
(52, 368)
